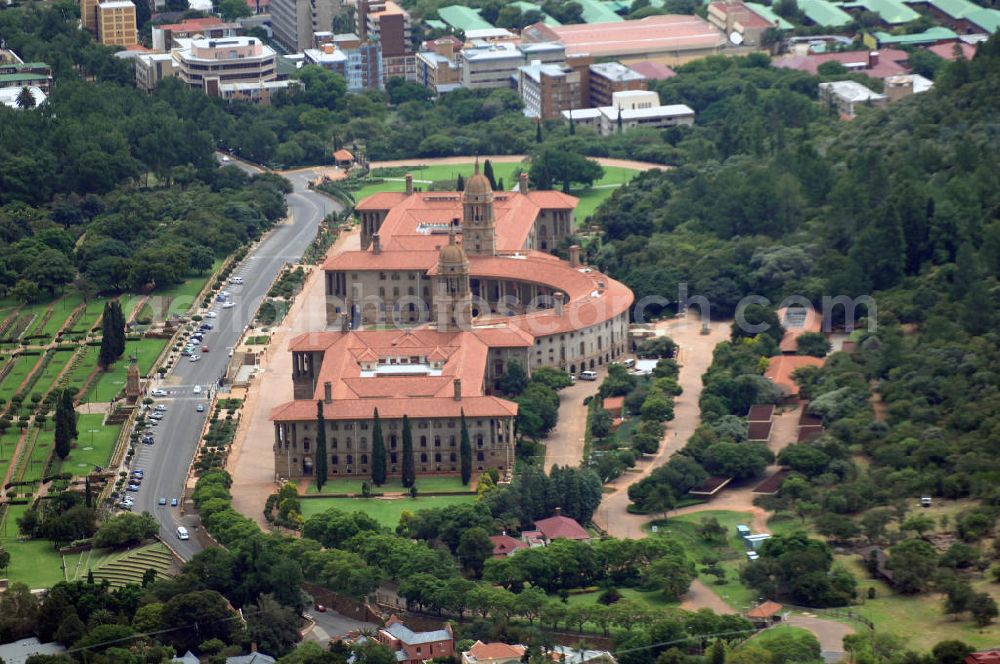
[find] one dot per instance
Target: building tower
(478, 225)
(133, 387)
(452, 295)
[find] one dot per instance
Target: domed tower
(452, 296)
(478, 225)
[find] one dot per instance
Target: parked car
(210, 314)
(156, 416)
(187, 351)
(132, 487)
(204, 349)
(195, 358)
(173, 502)
(160, 408)
(197, 389)
(159, 393)
(320, 608)
(200, 408)
(229, 305)
(138, 472)
(163, 500)
(225, 160)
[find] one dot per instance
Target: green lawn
(23, 364)
(590, 198)
(33, 562)
(110, 383)
(731, 556)
(919, 618)
(385, 511)
(424, 485)
(651, 598)
(93, 447)
(8, 441)
(184, 295)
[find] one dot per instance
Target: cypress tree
(119, 318)
(107, 355)
(500, 186)
(65, 425)
(320, 447)
(488, 172)
(538, 132)
(88, 499)
(409, 470)
(460, 183)
(465, 452)
(378, 452)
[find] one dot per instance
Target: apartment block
(360, 63)
(151, 68)
(437, 65)
(631, 110)
(607, 78)
(116, 23)
(496, 65)
(207, 63)
(548, 89)
(295, 22)
(212, 27)
(388, 24)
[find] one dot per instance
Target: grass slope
(385, 511)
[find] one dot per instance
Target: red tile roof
(343, 155)
(561, 526)
(801, 320)
(664, 35)
(504, 545)
(653, 71)
(889, 60)
(743, 14)
(984, 657)
(761, 412)
(947, 50)
(780, 369)
(491, 651)
(765, 610)
(759, 430)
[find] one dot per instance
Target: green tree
(65, 421)
(321, 458)
(126, 529)
(913, 564)
(600, 423)
(111, 337)
(983, 608)
(672, 573)
(813, 343)
(273, 627)
(465, 451)
(25, 99)
(4, 558)
(474, 548)
(378, 451)
(514, 380)
(488, 174)
(234, 9)
(409, 471)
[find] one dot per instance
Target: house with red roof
(505, 545)
(558, 527)
(984, 657)
(781, 367)
(493, 653)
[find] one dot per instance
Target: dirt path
(510, 159)
(694, 356)
(700, 596)
(251, 461)
(830, 634)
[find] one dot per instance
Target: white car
(197, 389)
(210, 314)
(225, 160)
(236, 280)
(229, 305)
(195, 358)
(159, 393)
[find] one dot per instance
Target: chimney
(376, 244)
(522, 182)
(558, 511)
(574, 256)
(559, 298)
(458, 389)
(409, 184)
(327, 392)
(872, 59)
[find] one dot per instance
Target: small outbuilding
(343, 158)
(767, 613)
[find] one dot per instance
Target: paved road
(166, 463)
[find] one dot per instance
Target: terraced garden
(128, 567)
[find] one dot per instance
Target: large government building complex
(448, 289)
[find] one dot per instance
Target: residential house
(505, 545)
(848, 96)
(416, 647)
(493, 653)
